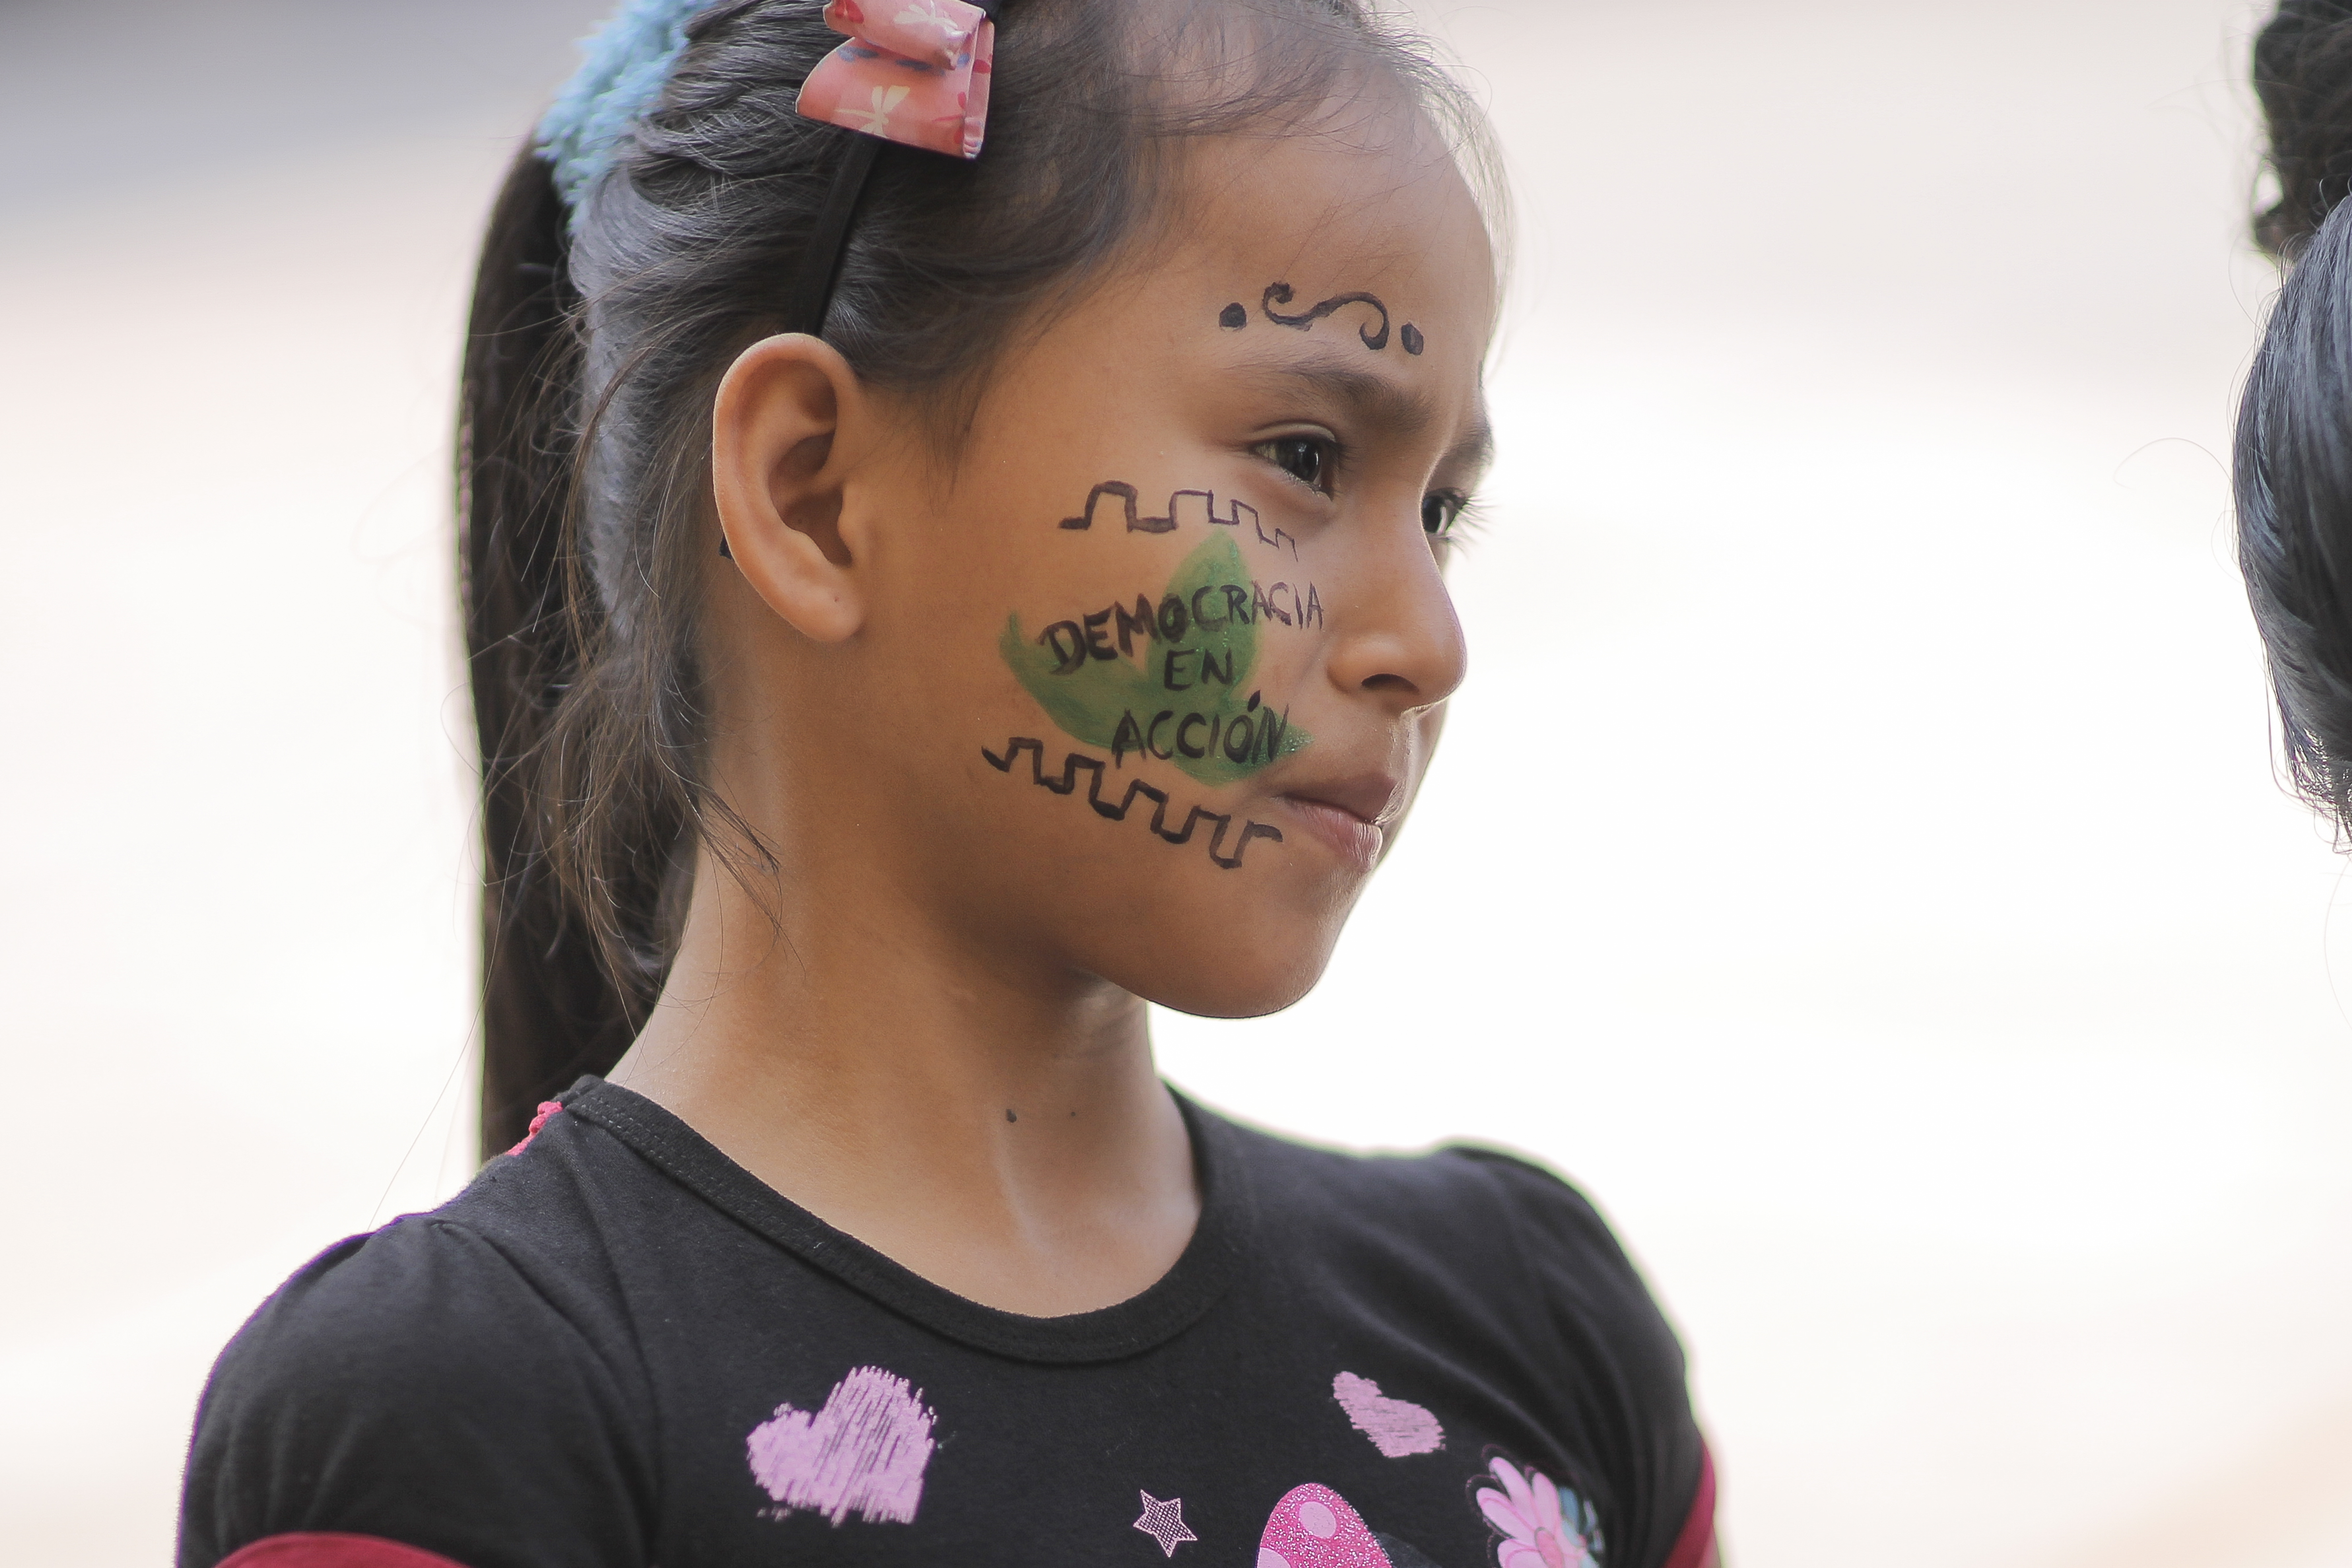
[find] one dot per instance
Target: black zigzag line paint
(1205, 512)
(1068, 783)
(1125, 492)
(1239, 508)
(1280, 294)
(1281, 535)
(1184, 834)
(1036, 749)
(1012, 750)
(1249, 830)
(1134, 787)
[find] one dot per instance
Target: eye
(1310, 459)
(1439, 511)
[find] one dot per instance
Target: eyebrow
(1378, 401)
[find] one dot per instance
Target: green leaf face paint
(1170, 678)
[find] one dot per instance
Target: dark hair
(2302, 75)
(2294, 457)
(2294, 482)
(592, 355)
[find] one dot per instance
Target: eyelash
(1325, 450)
(1453, 506)
(1454, 511)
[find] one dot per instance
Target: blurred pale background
(1855, 857)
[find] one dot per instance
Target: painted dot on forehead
(1233, 317)
(1410, 335)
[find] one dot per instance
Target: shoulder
(508, 1284)
(1553, 1284)
(1624, 1365)
(390, 1316)
(1459, 1199)
(451, 1382)
(1570, 1250)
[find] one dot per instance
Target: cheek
(1181, 656)
(1160, 897)
(1079, 714)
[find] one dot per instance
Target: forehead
(1353, 258)
(1288, 278)
(1372, 203)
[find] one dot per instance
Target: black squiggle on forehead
(1282, 294)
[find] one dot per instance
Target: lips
(1369, 798)
(1350, 815)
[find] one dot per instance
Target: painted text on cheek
(1171, 680)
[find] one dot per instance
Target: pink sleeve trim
(546, 1108)
(1694, 1547)
(309, 1550)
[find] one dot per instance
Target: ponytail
(549, 1009)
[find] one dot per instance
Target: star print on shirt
(1164, 1522)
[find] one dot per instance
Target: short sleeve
(414, 1385)
(1625, 1383)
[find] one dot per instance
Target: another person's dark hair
(2303, 76)
(593, 352)
(2294, 482)
(2294, 450)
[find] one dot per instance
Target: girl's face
(1142, 685)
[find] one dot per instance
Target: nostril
(1388, 683)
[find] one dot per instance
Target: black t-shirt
(618, 1349)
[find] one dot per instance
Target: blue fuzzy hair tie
(626, 61)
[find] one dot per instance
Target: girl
(954, 515)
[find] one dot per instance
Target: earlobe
(781, 425)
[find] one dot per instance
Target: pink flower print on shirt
(1396, 1427)
(1543, 1526)
(864, 1453)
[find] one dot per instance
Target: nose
(1398, 637)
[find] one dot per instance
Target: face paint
(1170, 676)
(1183, 506)
(1076, 763)
(1235, 317)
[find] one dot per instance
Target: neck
(1004, 1136)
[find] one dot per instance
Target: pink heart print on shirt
(864, 1453)
(1396, 1427)
(1312, 1527)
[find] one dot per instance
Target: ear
(778, 462)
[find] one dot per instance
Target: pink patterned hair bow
(913, 71)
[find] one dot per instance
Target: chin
(1251, 971)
